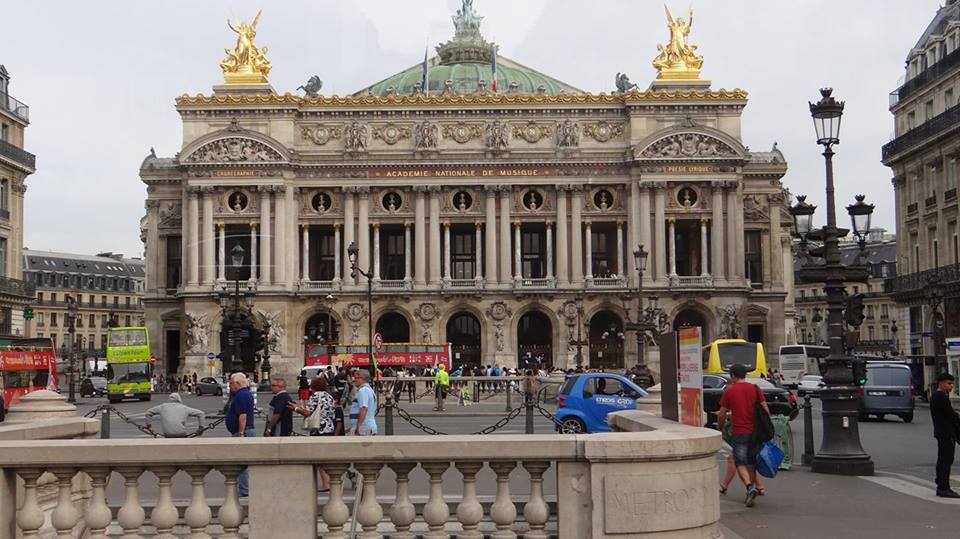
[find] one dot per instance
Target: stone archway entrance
(534, 340)
(606, 341)
(393, 327)
(463, 334)
(691, 318)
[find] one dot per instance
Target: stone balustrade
(659, 480)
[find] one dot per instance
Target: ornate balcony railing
(693, 281)
(464, 283)
(917, 281)
(937, 125)
(11, 105)
(536, 283)
(319, 285)
(928, 75)
(18, 155)
(608, 282)
(17, 287)
(911, 208)
(391, 284)
(950, 195)
(930, 202)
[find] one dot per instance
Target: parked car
(780, 401)
(210, 385)
(889, 390)
(810, 384)
(93, 386)
(584, 401)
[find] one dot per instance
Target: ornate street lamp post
(579, 331)
(840, 451)
(72, 309)
(236, 332)
(934, 293)
(352, 252)
(640, 256)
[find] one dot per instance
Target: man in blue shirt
(239, 420)
(363, 410)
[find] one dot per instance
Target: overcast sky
(101, 78)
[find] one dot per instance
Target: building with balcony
(923, 157)
(15, 165)
(485, 216)
(106, 287)
(883, 329)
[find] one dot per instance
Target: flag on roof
(493, 68)
(425, 81)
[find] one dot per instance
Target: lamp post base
(840, 452)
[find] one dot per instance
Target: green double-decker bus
(128, 364)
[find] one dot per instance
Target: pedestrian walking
(239, 420)
(281, 416)
(441, 383)
(363, 409)
(740, 400)
(174, 416)
(946, 429)
(303, 390)
(320, 418)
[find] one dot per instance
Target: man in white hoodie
(173, 417)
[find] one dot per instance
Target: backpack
(762, 425)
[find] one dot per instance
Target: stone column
(376, 252)
(490, 193)
(348, 237)
(633, 232)
(280, 234)
(420, 230)
(266, 256)
(563, 271)
(741, 270)
(549, 227)
(732, 233)
(208, 236)
(363, 232)
(620, 256)
(718, 267)
(336, 252)
(775, 254)
(588, 237)
(478, 275)
(644, 226)
(221, 252)
(658, 256)
(292, 217)
(446, 251)
(517, 253)
(704, 251)
(506, 275)
(576, 236)
(435, 276)
(672, 236)
(406, 253)
(305, 253)
(193, 239)
(254, 253)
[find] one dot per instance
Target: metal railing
(937, 125)
(950, 194)
(919, 280)
(928, 75)
(911, 208)
(17, 287)
(15, 107)
(930, 202)
(18, 154)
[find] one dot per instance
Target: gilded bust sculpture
(678, 60)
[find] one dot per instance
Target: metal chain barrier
(502, 422)
(417, 424)
(144, 428)
(547, 414)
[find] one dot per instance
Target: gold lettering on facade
(464, 173)
(689, 169)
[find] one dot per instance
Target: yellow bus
(128, 364)
(719, 355)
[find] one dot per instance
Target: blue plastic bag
(769, 459)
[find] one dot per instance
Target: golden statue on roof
(246, 64)
(678, 60)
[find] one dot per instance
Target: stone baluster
(131, 514)
(335, 512)
(503, 512)
(231, 513)
(436, 512)
(369, 512)
(536, 512)
(402, 512)
(198, 514)
(98, 515)
(164, 515)
(469, 511)
(30, 517)
(65, 515)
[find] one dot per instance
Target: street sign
(378, 342)
(211, 356)
(211, 363)
(928, 334)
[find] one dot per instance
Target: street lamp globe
(860, 215)
(827, 114)
(802, 214)
(249, 297)
(236, 255)
(641, 255)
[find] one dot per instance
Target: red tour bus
(26, 365)
(396, 355)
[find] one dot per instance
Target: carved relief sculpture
(498, 335)
(320, 134)
(729, 321)
(391, 134)
(532, 132)
(603, 131)
(499, 311)
(568, 134)
(425, 136)
(245, 64)
(234, 150)
(355, 137)
(276, 333)
(462, 133)
(426, 312)
(496, 135)
(689, 145)
(171, 214)
(197, 331)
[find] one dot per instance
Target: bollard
(529, 404)
(807, 458)
(105, 424)
(388, 416)
(509, 406)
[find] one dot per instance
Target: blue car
(585, 400)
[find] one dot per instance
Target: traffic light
(859, 368)
(28, 313)
(853, 313)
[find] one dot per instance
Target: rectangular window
(911, 120)
(948, 100)
(326, 256)
(3, 257)
(53, 320)
(916, 319)
(464, 253)
(91, 341)
(884, 311)
(753, 256)
(116, 301)
(103, 342)
(126, 321)
(4, 129)
(103, 301)
(394, 258)
(532, 251)
(127, 300)
(40, 321)
(53, 298)
(103, 321)
(5, 195)
(174, 261)
(869, 312)
(92, 321)
(871, 335)
(928, 109)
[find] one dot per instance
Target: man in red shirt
(739, 400)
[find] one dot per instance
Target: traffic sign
(378, 342)
(211, 356)
(211, 363)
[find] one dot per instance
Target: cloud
(101, 78)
